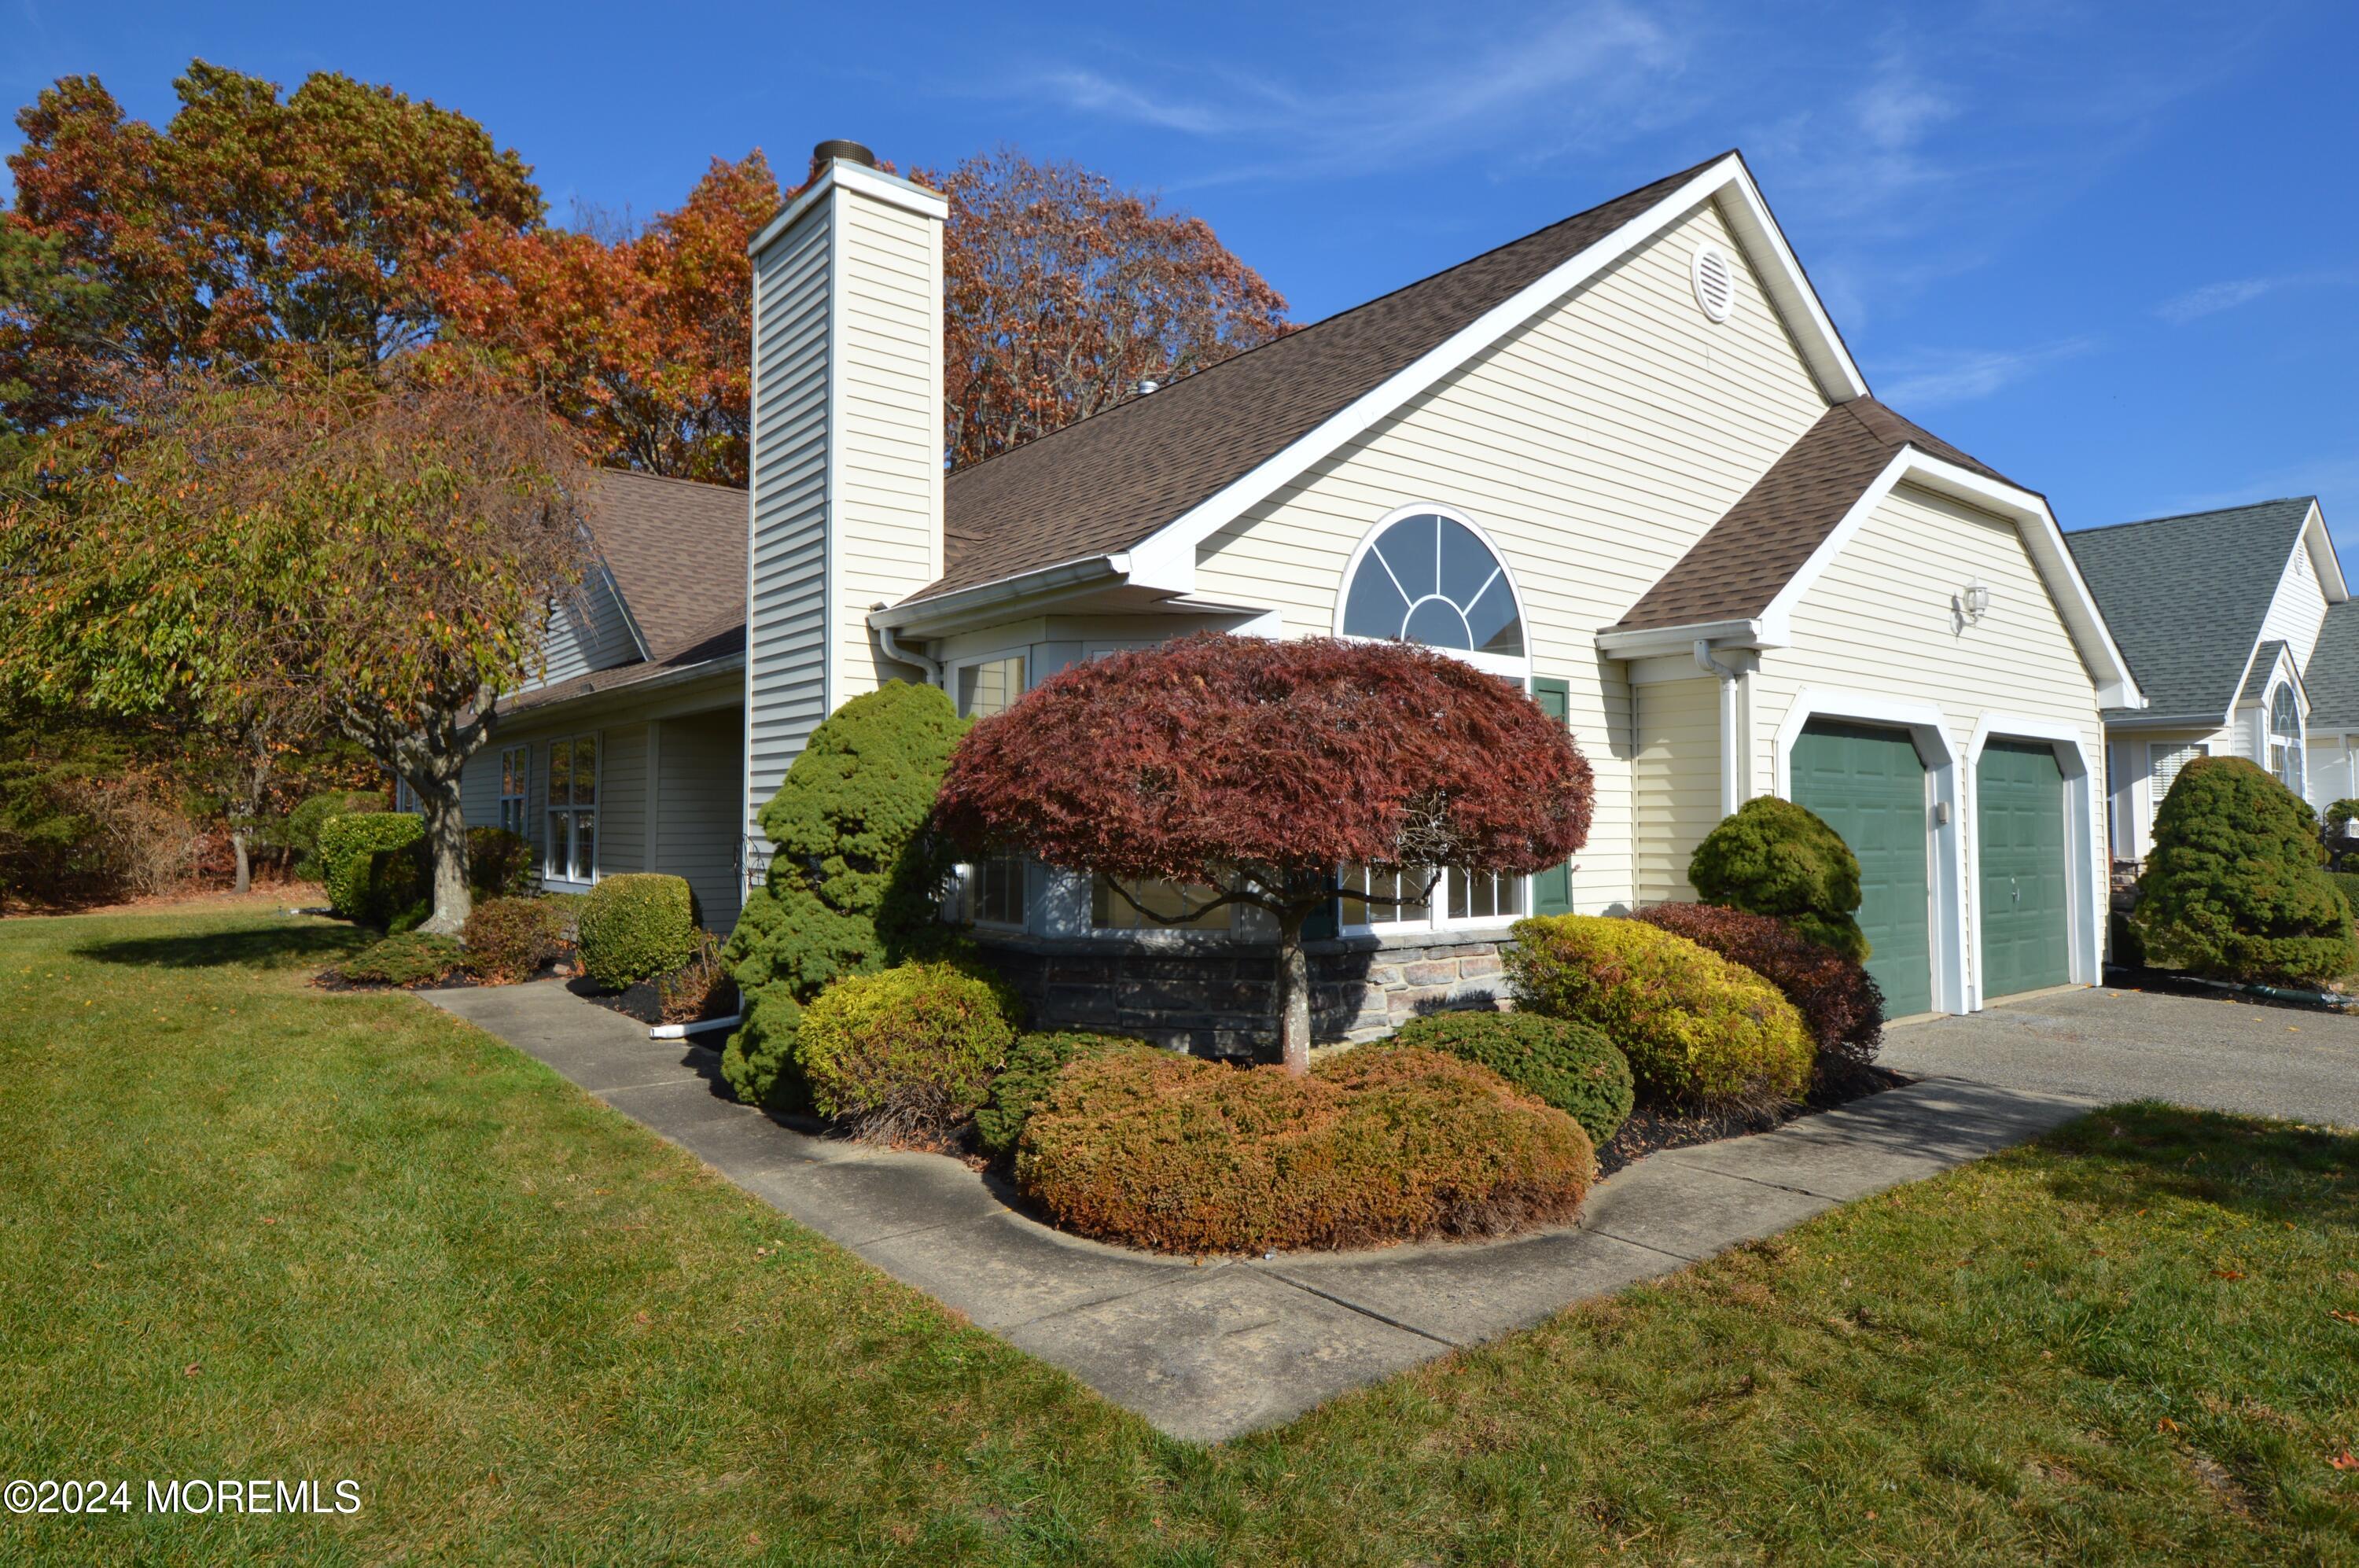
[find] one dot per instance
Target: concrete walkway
(1210, 1351)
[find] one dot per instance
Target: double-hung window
(995, 887)
(515, 769)
(1415, 899)
(572, 848)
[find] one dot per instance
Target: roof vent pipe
(847, 151)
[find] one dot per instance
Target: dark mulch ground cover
(1652, 1128)
(644, 1001)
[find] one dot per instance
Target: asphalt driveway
(2108, 1044)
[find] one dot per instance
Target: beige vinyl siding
(786, 656)
(1594, 446)
(694, 831)
(888, 434)
(1878, 622)
(1677, 777)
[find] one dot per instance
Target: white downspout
(895, 651)
(1733, 740)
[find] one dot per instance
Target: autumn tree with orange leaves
(1062, 293)
(250, 227)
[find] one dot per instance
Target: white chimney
(847, 504)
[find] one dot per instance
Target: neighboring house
(2245, 641)
(1625, 462)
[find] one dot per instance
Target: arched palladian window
(1425, 576)
(2285, 737)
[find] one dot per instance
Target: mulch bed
(1652, 1129)
(644, 1002)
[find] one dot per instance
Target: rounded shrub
(855, 877)
(508, 940)
(1773, 857)
(300, 830)
(1558, 1061)
(374, 866)
(2234, 888)
(1033, 1063)
(411, 958)
(1841, 1004)
(1377, 1145)
(636, 926)
(499, 863)
(1699, 1030)
(907, 1052)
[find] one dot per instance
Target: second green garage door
(2019, 816)
(1868, 785)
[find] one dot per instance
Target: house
(2245, 641)
(1625, 462)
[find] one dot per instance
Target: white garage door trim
(1930, 729)
(2087, 892)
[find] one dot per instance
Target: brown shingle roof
(1736, 569)
(676, 549)
(1104, 483)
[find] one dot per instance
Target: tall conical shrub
(856, 879)
(2234, 888)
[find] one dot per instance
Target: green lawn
(251, 1230)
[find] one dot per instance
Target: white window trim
(1438, 916)
(953, 670)
(1518, 666)
(549, 881)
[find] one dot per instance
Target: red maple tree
(1064, 292)
(1261, 767)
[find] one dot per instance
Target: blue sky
(2112, 250)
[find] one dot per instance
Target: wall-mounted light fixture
(1971, 603)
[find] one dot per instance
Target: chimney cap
(848, 151)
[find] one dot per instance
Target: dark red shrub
(1840, 1004)
(1263, 765)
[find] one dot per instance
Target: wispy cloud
(1591, 66)
(2214, 297)
(1934, 379)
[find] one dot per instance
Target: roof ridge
(2198, 512)
(1305, 328)
(603, 470)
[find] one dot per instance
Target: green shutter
(1552, 888)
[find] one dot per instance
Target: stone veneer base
(1217, 999)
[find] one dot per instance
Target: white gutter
(1732, 745)
(893, 650)
(1097, 568)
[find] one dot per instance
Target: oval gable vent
(1715, 281)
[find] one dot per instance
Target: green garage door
(1869, 785)
(2019, 811)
